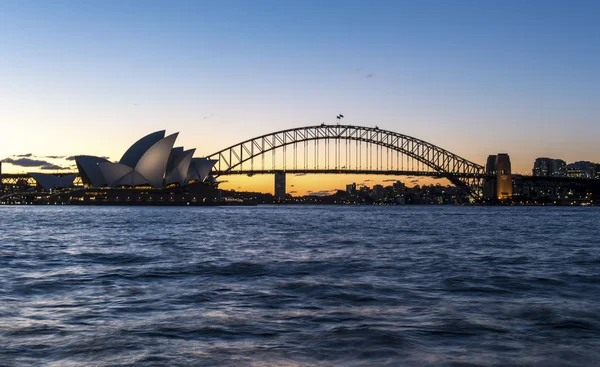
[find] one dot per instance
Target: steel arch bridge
(340, 149)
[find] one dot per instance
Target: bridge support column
(489, 182)
(498, 183)
(280, 185)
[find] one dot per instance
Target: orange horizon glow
(297, 184)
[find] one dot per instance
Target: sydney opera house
(151, 162)
(151, 171)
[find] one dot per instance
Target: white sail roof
(51, 182)
(153, 164)
(133, 155)
(113, 172)
(89, 170)
(178, 169)
(200, 168)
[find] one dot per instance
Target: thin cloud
(50, 166)
(321, 192)
(23, 155)
(54, 156)
(72, 157)
(25, 162)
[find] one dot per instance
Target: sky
(473, 77)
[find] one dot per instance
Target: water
(299, 285)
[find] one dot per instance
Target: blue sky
(474, 77)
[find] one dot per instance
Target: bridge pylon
(280, 187)
(497, 185)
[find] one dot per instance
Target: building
(398, 187)
(351, 188)
(378, 192)
(365, 190)
(151, 162)
(582, 169)
(548, 167)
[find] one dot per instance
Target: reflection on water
(295, 286)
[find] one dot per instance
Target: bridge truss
(347, 149)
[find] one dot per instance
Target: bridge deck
(347, 172)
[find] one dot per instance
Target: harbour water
(299, 286)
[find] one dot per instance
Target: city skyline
(473, 78)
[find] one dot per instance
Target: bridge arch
(460, 171)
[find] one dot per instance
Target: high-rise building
(549, 167)
(581, 169)
(280, 185)
(377, 192)
(351, 188)
(559, 168)
(399, 187)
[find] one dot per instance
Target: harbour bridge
(347, 149)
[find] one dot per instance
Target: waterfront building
(150, 162)
(377, 192)
(582, 169)
(351, 188)
(549, 167)
(399, 187)
(366, 190)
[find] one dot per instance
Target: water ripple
(298, 286)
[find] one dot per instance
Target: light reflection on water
(299, 285)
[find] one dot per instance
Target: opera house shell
(51, 182)
(151, 162)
